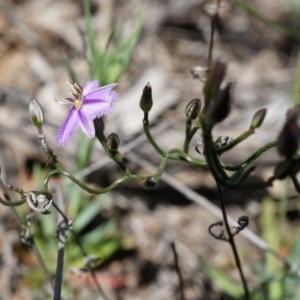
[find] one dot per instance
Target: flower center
(77, 97)
(78, 103)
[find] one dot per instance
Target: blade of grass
(256, 14)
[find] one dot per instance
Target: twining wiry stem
(232, 243)
(212, 33)
(83, 252)
(61, 228)
(291, 31)
(178, 271)
(33, 246)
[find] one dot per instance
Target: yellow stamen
(77, 104)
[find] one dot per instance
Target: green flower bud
(288, 140)
(150, 183)
(258, 118)
(221, 105)
(113, 143)
(192, 109)
(146, 99)
(286, 168)
(36, 113)
(214, 79)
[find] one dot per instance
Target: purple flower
(88, 103)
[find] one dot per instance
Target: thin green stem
(161, 168)
(252, 158)
(87, 188)
(118, 158)
(189, 134)
(236, 141)
(51, 157)
(151, 140)
(187, 140)
(182, 156)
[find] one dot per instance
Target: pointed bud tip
(221, 105)
(288, 139)
(192, 109)
(214, 79)
(35, 113)
(146, 98)
(258, 118)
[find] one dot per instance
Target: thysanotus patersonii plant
(93, 100)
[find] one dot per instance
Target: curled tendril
(199, 148)
(243, 222)
(63, 226)
(35, 198)
(221, 141)
(221, 236)
(91, 262)
(26, 237)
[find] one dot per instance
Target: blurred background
(44, 42)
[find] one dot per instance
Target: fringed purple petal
(97, 101)
(104, 93)
(68, 128)
(90, 86)
(86, 124)
(96, 109)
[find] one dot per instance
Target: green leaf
(221, 279)
(87, 215)
(99, 233)
(70, 68)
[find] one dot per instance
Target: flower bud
(243, 221)
(258, 118)
(35, 113)
(293, 113)
(146, 99)
(288, 140)
(150, 183)
(286, 168)
(113, 143)
(220, 107)
(192, 109)
(214, 79)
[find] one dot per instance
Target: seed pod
(146, 99)
(113, 143)
(214, 79)
(36, 113)
(220, 107)
(150, 183)
(258, 118)
(243, 221)
(288, 140)
(192, 109)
